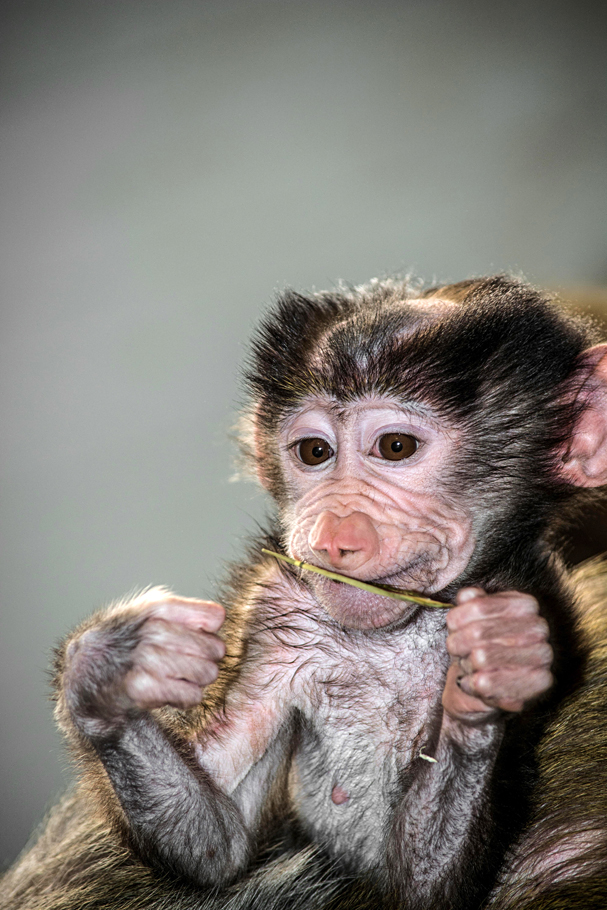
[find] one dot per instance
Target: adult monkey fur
(431, 440)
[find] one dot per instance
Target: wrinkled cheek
(399, 544)
(298, 537)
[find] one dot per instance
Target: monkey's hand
(156, 650)
(502, 657)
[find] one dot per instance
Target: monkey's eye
(314, 451)
(396, 446)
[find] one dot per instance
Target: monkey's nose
(345, 543)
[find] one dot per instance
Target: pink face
(366, 499)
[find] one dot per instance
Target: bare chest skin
(366, 721)
(361, 706)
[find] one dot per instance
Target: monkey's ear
(258, 440)
(585, 461)
(251, 462)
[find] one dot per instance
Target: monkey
(316, 745)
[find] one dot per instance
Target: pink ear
(585, 462)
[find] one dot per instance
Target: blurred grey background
(165, 167)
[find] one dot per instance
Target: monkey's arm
(162, 650)
(445, 841)
(442, 826)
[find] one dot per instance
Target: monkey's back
(561, 860)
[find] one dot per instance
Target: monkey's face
(367, 497)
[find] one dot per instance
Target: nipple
(339, 795)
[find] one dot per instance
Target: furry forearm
(178, 817)
(439, 848)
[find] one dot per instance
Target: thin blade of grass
(386, 590)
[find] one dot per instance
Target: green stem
(386, 590)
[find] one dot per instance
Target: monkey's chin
(356, 609)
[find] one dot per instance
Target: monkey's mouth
(385, 590)
(358, 609)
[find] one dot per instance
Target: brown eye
(396, 446)
(314, 451)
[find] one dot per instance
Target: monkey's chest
(352, 751)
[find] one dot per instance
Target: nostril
(344, 542)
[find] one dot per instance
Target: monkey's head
(424, 439)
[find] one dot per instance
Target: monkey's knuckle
(542, 627)
(536, 638)
(477, 632)
(221, 648)
(454, 644)
(479, 658)
(138, 687)
(185, 697)
(147, 656)
(154, 630)
(526, 603)
(480, 684)
(484, 684)
(211, 673)
(545, 681)
(213, 647)
(545, 655)
(452, 620)
(533, 605)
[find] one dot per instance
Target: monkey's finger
(505, 687)
(465, 594)
(162, 663)
(510, 633)
(195, 614)
(484, 606)
(462, 705)
(492, 656)
(147, 692)
(203, 645)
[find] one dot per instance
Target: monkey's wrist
(102, 717)
(93, 693)
(474, 736)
